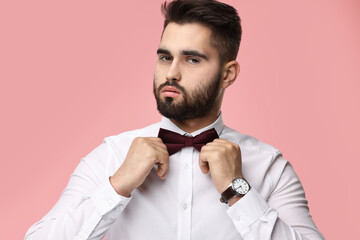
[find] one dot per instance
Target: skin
(186, 56)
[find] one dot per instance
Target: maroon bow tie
(174, 141)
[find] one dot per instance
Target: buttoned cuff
(106, 199)
(247, 210)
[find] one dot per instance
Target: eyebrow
(194, 53)
(163, 51)
(183, 52)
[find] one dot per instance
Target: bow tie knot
(174, 141)
(189, 141)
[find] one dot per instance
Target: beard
(196, 104)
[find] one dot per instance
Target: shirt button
(237, 218)
(186, 166)
(185, 206)
(121, 207)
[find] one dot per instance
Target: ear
(230, 72)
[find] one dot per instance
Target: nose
(173, 73)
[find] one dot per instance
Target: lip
(169, 91)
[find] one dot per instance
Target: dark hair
(222, 19)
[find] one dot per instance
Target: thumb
(163, 167)
(204, 165)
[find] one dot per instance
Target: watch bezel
(235, 190)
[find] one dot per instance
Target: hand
(223, 159)
(143, 154)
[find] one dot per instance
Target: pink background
(74, 72)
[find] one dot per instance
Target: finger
(219, 140)
(218, 143)
(204, 165)
(162, 170)
(157, 139)
(163, 165)
(160, 144)
(161, 149)
(211, 147)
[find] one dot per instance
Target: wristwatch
(238, 187)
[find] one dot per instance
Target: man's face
(187, 74)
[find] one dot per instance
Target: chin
(171, 99)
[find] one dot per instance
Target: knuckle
(234, 146)
(165, 155)
(204, 148)
(228, 146)
(219, 154)
(237, 148)
(138, 140)
(153, 159)
(223, 149)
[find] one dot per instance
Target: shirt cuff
(247, 210)
(106, 198)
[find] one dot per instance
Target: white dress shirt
(186, 204)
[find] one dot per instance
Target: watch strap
(227, 194)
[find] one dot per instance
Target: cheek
(160, 75)
(194, 80)
(161, 69)
(156, 81)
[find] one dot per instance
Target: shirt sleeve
(284, 215)
(89, 204)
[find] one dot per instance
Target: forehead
(178, 37)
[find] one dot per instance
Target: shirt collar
(166, 123)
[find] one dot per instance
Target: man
(165, 181)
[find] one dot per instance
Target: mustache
(172, 84)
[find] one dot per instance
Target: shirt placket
(185, 194)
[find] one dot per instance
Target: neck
(192, 125)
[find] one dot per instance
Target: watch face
(240, 186)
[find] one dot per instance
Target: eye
(193, 60)
(165, 58)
